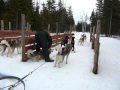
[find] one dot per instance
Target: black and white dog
(63, 51)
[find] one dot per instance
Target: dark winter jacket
(73, 41)
(43, 39)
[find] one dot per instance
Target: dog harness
(65, 51)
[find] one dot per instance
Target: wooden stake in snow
(2, 24)
(57, 28)
(90, 34)
(93, 37)
(23, 36)
(48, 27)
(96, 56)
(9, 25)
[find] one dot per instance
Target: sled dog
(63, 51)
(10, 45)
(81, 41)
(31, 54)
(3, 46)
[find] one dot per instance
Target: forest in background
(108, 11)
(39, 17)
(57, 16)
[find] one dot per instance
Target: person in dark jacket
(44, 41)
(73, 42)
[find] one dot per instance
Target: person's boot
(48, 60)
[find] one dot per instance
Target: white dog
(81, 40)
(62, 53)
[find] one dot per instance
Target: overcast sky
(79, 7)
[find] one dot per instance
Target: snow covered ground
(76, 75)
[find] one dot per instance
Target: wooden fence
(29, 39)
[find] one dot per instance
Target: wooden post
(82, 27)
(2, 24)
(93, 37)
(56, 28)
(23, 36)
(96, 56)
(90, 34)
(48, 27)
(27, 28)
(85, 26)
(9, 25)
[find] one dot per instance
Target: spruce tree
(2, 8)
(79, 27)
(111, 16)
(14, 10)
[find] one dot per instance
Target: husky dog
(4, 45)
(10, 45)
(31, 54)
(15, 43)
(18, 45)
(81, 41)
(2, 48)
(63, 51)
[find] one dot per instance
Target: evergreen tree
(79, 27)
(50, 14)
(14, 10)
(106, 17)
(36, 19)
(70, 15)
(2, 8)
(115, 11)
(93, 19)
(100, 8)
(111, 16)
